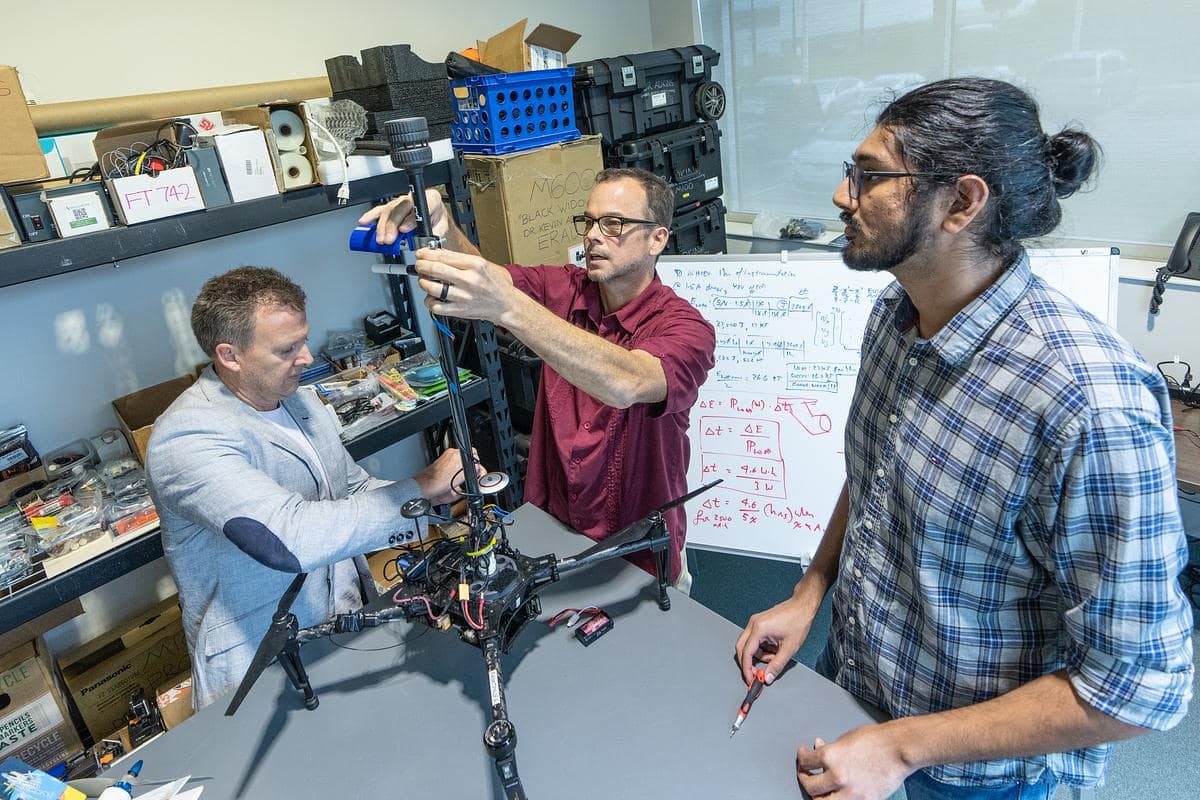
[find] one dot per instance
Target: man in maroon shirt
(623, 355)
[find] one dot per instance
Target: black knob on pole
(408, 139)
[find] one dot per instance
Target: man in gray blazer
(252, 483)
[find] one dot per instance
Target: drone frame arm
(500, 736)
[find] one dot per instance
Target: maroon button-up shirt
(597, 468)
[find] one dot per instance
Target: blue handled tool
(362, 239)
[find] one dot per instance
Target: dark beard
(892, 248)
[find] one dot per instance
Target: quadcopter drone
(479, 586)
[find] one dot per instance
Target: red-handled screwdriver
(756, 687)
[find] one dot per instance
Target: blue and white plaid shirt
(1013, 511)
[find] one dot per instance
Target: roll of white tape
(289, 130)
(296, 170)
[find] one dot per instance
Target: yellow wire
(137, 168)
(489, 546)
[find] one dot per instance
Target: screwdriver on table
(756, 687)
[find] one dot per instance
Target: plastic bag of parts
(356, 384)
(17, 453)
(70, 528)
(15, 535)
(773, 225)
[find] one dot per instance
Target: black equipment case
(700, 230)
(625, 97)
(689, 159)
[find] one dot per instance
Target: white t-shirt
(343, 574)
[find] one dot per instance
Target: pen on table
(756, 687)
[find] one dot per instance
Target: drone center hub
(503, 582)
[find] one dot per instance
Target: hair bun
(1071, 156)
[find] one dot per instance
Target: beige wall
(116, 49)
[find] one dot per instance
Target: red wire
(467, 615)
(428, 608)
(557, 618)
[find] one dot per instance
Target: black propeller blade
(271, 644)
(636, 530)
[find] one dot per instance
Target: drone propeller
(636, 530)
(271, 644)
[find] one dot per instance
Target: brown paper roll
(54, 119)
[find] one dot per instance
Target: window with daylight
(805, 78)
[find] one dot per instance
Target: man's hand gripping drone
(480, 586)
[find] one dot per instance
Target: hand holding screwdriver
(756, 687)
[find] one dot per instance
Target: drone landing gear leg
(662, 563)
(500, 736)
(289, 658)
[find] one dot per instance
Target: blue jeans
(919, 786)
(825, 666)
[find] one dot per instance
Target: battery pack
(596, 626)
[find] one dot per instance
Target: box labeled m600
(524, 201)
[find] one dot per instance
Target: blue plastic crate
(513, 111)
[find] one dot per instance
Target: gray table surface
(644, 712)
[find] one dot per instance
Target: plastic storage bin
(513, 111)
(630, 96)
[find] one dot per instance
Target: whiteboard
(771, 418)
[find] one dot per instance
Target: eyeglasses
(855, 174)
(609, 226)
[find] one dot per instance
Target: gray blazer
(213, 458)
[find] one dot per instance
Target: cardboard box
(9, 486)
(21, 156)
(524, 201)
(137, 411)
(142, 652)
(146, 197)
(382, 563)
(288, 177)
(132, 136)
(175, 699)
(245, 160)
(512, 51)
(35, 725)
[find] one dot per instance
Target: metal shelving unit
(31, 262)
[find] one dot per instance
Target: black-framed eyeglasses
(609, 225)
(855, 175)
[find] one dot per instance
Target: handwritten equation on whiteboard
(770, 420)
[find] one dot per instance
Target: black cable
(399, 574)
(85, 174)
(1160, 288)
(423, 629)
